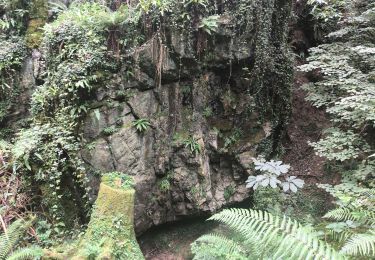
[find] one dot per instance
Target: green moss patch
(110, 233)
(34, 33)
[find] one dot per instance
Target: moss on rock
(38, 18)
(110, 233)
(34, 33)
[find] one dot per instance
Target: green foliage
(10, 239)
(192, 144)
(50, 152)
(356, 216)
(118, 180)
(12, 54)
(346, 89)
(44, 231)
(110, 130)
(213, 246)
(327, 10)
(14, 12)
(228, 192)
(209, 24)
(164, 185)
(267, 237)
(341, 146)
(75, 47)
(361, 245)
(141, 124)
(93, 250)
(207, 112)
(27, 253)
(233, 138)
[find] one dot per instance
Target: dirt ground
(172, 241)
(306, 125)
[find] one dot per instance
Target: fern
(353, 214)
(10, 239)
(360, 244)
(275, 237)
(33, 252)
(213, 246)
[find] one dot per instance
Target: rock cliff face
(204, 96)
(209, 107)
(214, 91)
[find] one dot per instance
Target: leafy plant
(361, 245)
(209, 24)
(11, 237)
(110, 130)
(141, 124)
(228, 192)
(233, 138)
(207, 112)
(341, 146)
(118, 180)
(264, 236)
(272, 171)
(346, 90)
(326, 14)
(57, 6)
(164, 185)
(356, 217)
(192, 144)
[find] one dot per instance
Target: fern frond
(353, 214)
(360, 244)
(280, 238)
(340, 214)
(340, 236)
(213, 246)
(28, 253)
(14, 233)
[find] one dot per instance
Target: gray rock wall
(201, 97)
(188, 86)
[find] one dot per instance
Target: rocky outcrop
(110, 232)
(213, 102)
(203, 98)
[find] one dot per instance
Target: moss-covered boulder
(110, 233)
(38, 17)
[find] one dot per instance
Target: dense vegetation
(57, 58)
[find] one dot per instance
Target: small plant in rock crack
(271, 172)
(209, 24)
(192, 144)
(141, 124)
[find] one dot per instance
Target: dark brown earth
(306, 125)
(172, 241)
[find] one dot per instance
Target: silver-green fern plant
(264, 236)
(355, 224)
(10, 239)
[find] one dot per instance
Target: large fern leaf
(28, 253)
(279, 238)
(360, 244)
(353, 214)
(213, 246)
(15, 232)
